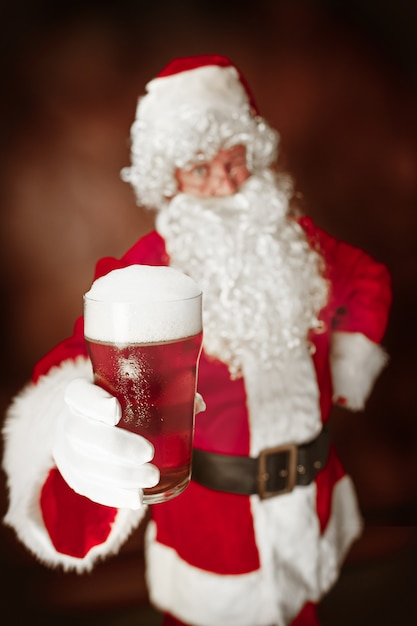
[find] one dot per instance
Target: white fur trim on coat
(355, 362)
(298, 564)
(28, 433)
(283, 401)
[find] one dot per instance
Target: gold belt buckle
(289, 472)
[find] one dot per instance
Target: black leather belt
(274, 472)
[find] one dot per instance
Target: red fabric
(361, 295)
(149, 250)
(307, 616)
(321, 362)
(84, 523)
(208, 529)
(224, 426)
(185, 64)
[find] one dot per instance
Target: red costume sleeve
(74, 523)
(361, 286)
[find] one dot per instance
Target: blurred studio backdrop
(338, 79)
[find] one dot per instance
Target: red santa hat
(203, 82)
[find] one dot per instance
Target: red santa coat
(216, 557)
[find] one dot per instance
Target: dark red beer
(155, 384)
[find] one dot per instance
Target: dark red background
(338, 80)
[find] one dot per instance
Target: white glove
(106, 464)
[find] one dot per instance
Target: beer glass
(143, 329)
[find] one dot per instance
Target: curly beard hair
(262, 283)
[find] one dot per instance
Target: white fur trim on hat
(355, 362)
(205, 88)
(28, 433)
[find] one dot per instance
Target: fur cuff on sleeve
(356, 362)
(28, 435)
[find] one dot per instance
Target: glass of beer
(143, 329)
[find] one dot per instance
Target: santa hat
(203, 82)
(194, 106)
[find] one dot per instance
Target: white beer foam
(142, 304)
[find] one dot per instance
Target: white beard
(262, 283)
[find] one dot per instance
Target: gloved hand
(108, 465)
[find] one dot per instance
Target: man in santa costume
(293, 321)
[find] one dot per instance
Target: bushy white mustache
(262, 283)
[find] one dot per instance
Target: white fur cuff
(28, 434)
(356, 362)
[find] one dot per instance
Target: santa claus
(293, 320)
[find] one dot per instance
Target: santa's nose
(223, 183)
